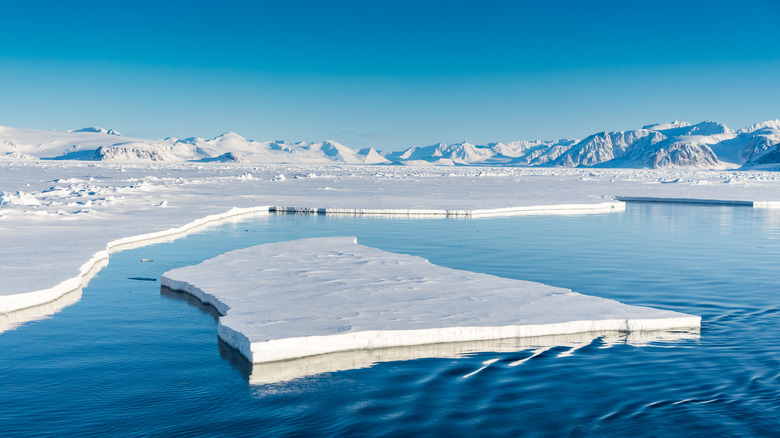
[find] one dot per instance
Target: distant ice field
(125, 359)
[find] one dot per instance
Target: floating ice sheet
(308, 297)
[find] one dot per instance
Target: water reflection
(11, 320)
(281, 371)
(191, 300)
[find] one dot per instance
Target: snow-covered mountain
(96, 129)
(97, 144)
(677, 144)
(516, 153)
(706, 145)
(605, 147)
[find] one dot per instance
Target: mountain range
(706, 145)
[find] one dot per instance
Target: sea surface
(128, 359)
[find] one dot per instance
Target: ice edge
(602, 207)
(293, 348)
(296, 347)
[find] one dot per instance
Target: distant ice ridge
(706, 145)
(308, 297)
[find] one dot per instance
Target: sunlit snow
(307, 297)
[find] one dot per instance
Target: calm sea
(128, 360)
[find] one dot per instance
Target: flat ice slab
(314, 296)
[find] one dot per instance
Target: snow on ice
(307, 297)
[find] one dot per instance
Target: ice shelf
(308, 297)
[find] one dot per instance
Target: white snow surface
(307, 297)
(59, 218)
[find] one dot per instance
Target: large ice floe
(319, 296)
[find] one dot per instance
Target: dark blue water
(128, 361)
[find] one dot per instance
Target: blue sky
(387, 74)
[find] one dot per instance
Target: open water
(128, 360)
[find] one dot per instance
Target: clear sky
(388, 74)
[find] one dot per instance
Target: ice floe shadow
(281, 371)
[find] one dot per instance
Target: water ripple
(128, 361)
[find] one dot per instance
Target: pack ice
(309, 297)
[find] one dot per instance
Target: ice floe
(309, 297)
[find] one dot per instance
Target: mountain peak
(230, 135)
(664, 126)
(774, 124)
(97, 130)
(709, 127)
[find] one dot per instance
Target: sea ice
(60, 217)
(308, 297)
